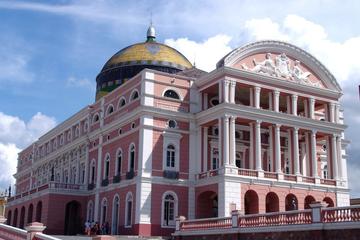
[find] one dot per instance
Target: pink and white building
(263, 132)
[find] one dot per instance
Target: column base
(298, 178)
(260, 173)
(280, 175)
(317, 180)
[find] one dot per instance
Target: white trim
(93, 118)
(104, 203)
(173, 194)
(131, 97)
(170, 138)
(107, 113)
(114, 229)
(129, 197)
(118, 105)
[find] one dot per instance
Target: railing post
(34, 228)
(316, 208)
(235, 218)
(178, 221)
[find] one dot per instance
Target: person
(267, 66)
(298, 74)
(87, 228)
(283, 66)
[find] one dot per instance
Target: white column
(198, 162)
(232, 91)
(205, 148)
(294, 99)
(337, 113)
(220, 141)
(206, 100)
(226, 90)
(277, 149)
(271, 148)
(251, 147)
(303, 159)
(226, 140)
(258, 146)
(308, 153)
(276, 100)
(87, 170)
(332, 112)
(232, 141)
(290, 152)
(77, 175)
(221, 84)
(313, 154)
(296, 151)
(312, 107)
(334, 157)
(339, 157)
(257, 96)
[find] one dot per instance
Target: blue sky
(51, 52)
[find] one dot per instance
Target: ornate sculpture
(282, 68)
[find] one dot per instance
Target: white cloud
(205, 54)
(16, 134)
(80, 82)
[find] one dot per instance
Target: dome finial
(150, 36)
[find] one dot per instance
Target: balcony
(117, 178)
(171, 174)
(130, 174)
(91, 186)
(105, 182)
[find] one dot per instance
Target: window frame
(175, 213)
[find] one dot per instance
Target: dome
(129, 61)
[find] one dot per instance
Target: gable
(283, 61)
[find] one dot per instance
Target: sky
(52, 51)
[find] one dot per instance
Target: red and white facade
(263, 132)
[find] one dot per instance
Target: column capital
(276, 92)
(277, 126)
(311, 99)
(232, 118)
(232, 82)
(226, 117)
(257, 122)
(296, 129)
(294, 97)
(332, 104)
(313, 131)
(257, 88)
(226, 82)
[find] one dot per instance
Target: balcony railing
(105, 182)
(130, 174)
(116, 178)
(170, 174)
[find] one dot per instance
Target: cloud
(205, 54)
(80, 82)
(16, 134)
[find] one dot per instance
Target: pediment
(283, 61)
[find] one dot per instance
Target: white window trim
(175, 208)
(104, 202)
(212, 99)
(108, 109)
(129, 153)
(116, 161)
(106, 159)
(129, 197)
(175, 90)
(113, 214)
(90, 217)
(119, 105)
(171, 139)
(93, 118)
(132, 95)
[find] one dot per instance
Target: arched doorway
(22, 217)
(15, 217)
(207, 205)
(38, 212)
(308, 200)
(115, 216)
(329, 201)
(291, 202)
(30, 213)
(72, 218)
(8, 221)
(251, 200)
(272, 202)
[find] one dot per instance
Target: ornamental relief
(282, 67)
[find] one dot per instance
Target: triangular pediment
(283, 61)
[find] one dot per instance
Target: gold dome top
(150, 53)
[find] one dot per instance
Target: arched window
(291, 202)
(118, 163)
(77, 131)
(132, 158)
(134, 95)
(90, 212)
(30, 213)
(107, 166)
(171, 94)
(22, 218)
(109, 110)
(103, 211)
(169, 209)
(15, 217)
(8, 221)
(128, 209)
(122, 102)
(96, 118)
(214, 101)
(115, 215)
(92, 171)
(170, 156)
(325, 172)
(38, 212)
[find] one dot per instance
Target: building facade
(263, 132)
